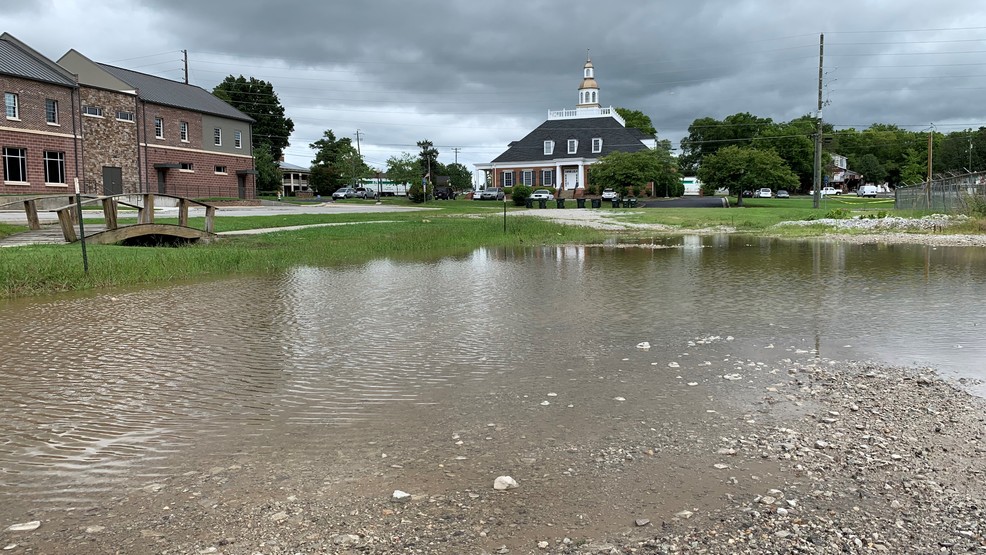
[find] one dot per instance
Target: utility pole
(360, 155)
(931, 135)
(185, 58)
(969, 169)
(456, 150)
(817, 182)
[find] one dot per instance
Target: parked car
(867, 191)
(492, 193)
(542, 194)
(830, 191)
(345, 192)
(764, 193)
(609, 194)
(477, 194)
(365, 192)
(783, 194)
(748, 193)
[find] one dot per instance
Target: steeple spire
(589, 89)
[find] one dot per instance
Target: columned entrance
(571, 178)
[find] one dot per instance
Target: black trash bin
(529, 203)
(542, 203)
(596, 202)
(580, 203)
(633, 202)
(616, 203)
(560, 203)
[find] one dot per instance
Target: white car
(764, 193)
(542, 194)
(345, 192)
(609, 194)
(830, 191)
(867, 191)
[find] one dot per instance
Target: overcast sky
(476, 75)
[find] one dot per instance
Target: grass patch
(7, 229)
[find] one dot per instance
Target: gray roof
(173, 93)
(292, 167)
(616, 138)
(18, 60)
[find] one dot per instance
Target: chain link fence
(949, 195)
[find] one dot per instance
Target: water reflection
(92, 384)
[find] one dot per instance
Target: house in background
(840, 176)
(293, 178)
(559, 152)
(39, 133)
(146, 133)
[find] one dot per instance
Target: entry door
(112, 180)
(162, 181)
(241, 186)
(571, 178)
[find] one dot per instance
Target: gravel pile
(931, 222)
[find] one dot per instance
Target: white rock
(504, 483)
(619, 399)
(545, 403)
(543, 544)
(733, 377)
(400, 496)
(674, 365)
(643, 345)
(24, 526)
(279, 517)
(95, 529)
(684, 514)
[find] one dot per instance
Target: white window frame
(573, 146)
(237, 139)
(546, 178)
(158, 128)
(16, 155)
(58, 158)
(12, 106)
(186, 167)
(527, 178)
(221, 170)
(123, 115)
(549, 148)
(183, 131)
(92, 111)
(217, 136)
(597, 145)
(507, 175)
(51, 111)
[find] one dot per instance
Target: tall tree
(403, 169)
(460, 178)
(258, 100)
(268, 175)
(637, 120)
(428, 159)
(739, 169)
(336, 163)
(871, 168)
(633, 170)
(707, 135)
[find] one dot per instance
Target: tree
(794, 142)
(268, 175)
(258, 100)
(459, 176)
(336, 163)
(637, 120)
(741, 169)
(707, 135)
(633, 170)
(871, 168)
(403, 169)
(427, 159)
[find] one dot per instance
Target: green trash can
(529, 203)
(626, 203)
(542, 203)
(596, 202)
(616, 203)
(633, 202)
(580, 203)
(560, 203)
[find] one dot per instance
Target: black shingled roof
(20, 62)
(616, 138)
(173, 93)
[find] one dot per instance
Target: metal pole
(817, 181)
(82, 228)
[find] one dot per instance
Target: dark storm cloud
(480, 74)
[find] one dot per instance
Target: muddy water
(120, 389)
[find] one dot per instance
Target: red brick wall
(33, 133)
(202, 181)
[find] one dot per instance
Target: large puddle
(122, 387)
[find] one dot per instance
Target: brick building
(39, 133)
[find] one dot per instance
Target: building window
(51, 111)
(13, 107)
(221, 170)
(237, 139)
(217, 136)
(546, 176)
(549, 148)
(573, 146)
(125, 116)
(597, 145)
(54, 167)
(15, 164)
(185, 167)
(183, 131)
(527, 177)
(159, 128)
(507, 179)
(94, 111)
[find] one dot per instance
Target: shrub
(507, 191)
(520, 194)
(975, 205)
(415, 193)
(837, 214)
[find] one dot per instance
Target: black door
(162, 183)
(241, 186)
(112, 180)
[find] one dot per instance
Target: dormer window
(549, 148)
(573, 146)
(597, 145)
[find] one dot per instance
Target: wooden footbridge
(111, 232)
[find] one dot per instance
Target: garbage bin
(633, 202)
(626, 203)
(560, 203)
(596, 203)
(542, 203)
(580, 203)
(529, 203)
(616, 203)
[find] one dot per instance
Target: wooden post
(183, 212)
(68, 227)
(148, 208)
(109, 213)
(31, 209)
(210, 214)
(75, 215)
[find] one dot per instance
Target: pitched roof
(616, 138)
(173, 93)
(19, 60)
(292, 167)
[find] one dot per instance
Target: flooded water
(109, 388)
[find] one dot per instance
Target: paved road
(686, 202)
